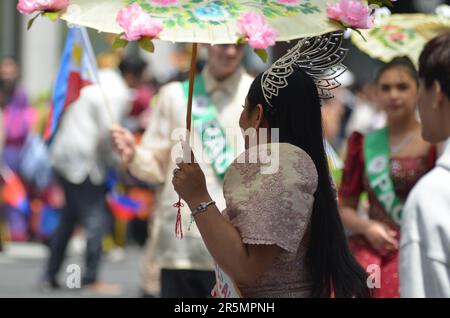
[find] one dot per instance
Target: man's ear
(440, 97)
(259, 120)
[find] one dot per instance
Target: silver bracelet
(202, 207)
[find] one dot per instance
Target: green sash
(376, 155)
(204, 118)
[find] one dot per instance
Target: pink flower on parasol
(137, 23)
(351, 13)
(30, 6)
(255, 27)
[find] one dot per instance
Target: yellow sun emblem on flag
(77, 54)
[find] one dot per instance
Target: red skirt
(389, 286)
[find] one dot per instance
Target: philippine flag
(77, 70)
(14, 192)
(122, 206)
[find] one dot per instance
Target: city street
(21, 265)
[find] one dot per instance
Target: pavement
(22, 265)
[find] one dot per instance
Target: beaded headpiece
(320, 57)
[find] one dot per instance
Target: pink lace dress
(272, 204)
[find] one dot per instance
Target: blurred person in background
(386, 164)
(81, 152)
(186, 265)
(366, 116)
(133, 70)
(19, 118)
(12, 89)
(135, 73)
(18, 115)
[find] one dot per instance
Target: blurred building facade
(36, 50)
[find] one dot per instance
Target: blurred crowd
(31, 198)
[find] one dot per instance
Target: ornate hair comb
(320, 57)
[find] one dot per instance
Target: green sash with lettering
(204, 118)
(376, 157)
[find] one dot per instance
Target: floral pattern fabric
(202, 13)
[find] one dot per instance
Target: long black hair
(299, 120)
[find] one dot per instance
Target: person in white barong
(425, 233)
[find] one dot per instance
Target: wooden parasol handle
(192, 72)
(186, 152)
